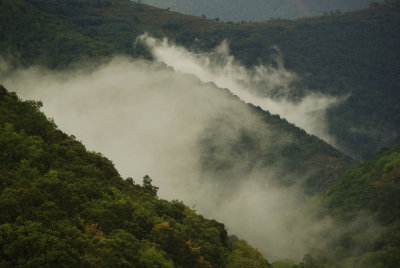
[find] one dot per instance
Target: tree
(148, 187)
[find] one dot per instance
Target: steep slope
(103, 28)
(238, 151)
(97, 38)
(354, 55)
(64, 206)
(372, 186)
(54, 190)
(369, 189)
(229, 10)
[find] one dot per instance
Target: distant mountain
(255, 10)
(63, 205)
(352, 55)
(57, 33)
(90, 29)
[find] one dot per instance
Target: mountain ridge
(254, 10)
(351, 54)
(61, 34)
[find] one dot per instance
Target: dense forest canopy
(353, 56)
(231, 152)
(64, 205)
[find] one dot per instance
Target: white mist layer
(148, 120)
(222, 69)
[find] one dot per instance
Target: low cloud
(268, 87)
(150, 119)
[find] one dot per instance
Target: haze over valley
(153, 120)
(235, 122)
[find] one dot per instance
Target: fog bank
(267, 87)
(149, 119)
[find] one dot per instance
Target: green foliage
(62, 206)
(302, 158)
(54, 190)
(148, 187)
(373, 185)
(153, 256)
(353, 55)
(318, 259)
(59, 33)
(109, 29)
(34, 245)
(245, 256)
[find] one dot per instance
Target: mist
(151, 119)
(268, 87)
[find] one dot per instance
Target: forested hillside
(254, 10)
(305, 158)
(352, 55)
(56, 33)
(62, 206)
(54, 190)
(372, 186)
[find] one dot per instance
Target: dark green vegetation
(253, 10)
(104, 28)
(62, 206)
(353, 55)
(372, 186)
(294, 157)
(57, 33)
